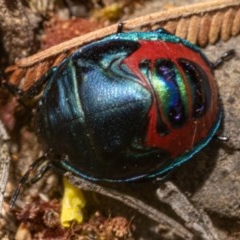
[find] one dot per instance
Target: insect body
(130, 106)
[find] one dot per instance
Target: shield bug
(130, 106)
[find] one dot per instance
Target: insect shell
(133, 105)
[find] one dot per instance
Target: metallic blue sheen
(94, 111)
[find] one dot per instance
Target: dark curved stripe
(167, 72)
(199, 84)
(145, 67)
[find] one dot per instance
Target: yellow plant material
(72, 204)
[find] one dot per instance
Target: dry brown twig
(200, 23)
